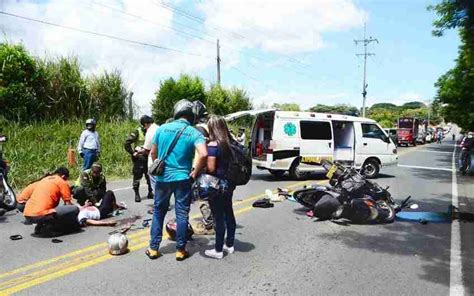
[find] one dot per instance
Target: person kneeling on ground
(42, 206)
(91, 185)
(90, 215)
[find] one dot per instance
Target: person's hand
(67, 203)
(88, 203)
(193, 174)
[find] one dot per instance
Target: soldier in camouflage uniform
(134, 146)
(91, 185)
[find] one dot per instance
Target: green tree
(19, 83)
(171, 91)
(287, 107)
(336, 109)
(389, 106)
(108, 96)
(455, 89)
(414, 105)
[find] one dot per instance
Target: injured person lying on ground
(91, 215)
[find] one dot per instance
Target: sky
(279, 51)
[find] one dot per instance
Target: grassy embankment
(33, 150)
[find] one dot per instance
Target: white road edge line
(455, 267)
(432, 151)
(426, 168)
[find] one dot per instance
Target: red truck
(407, 130)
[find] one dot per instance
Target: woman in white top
(90, 215)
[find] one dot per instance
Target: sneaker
(181, 255)
(214, 254)
(137, 197)
(229, 250)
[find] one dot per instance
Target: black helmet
(199, 110)
(145, 119)
(91, 121)
(184, 108)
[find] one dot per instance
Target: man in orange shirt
(42, 199)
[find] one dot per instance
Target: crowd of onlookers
(170, 157)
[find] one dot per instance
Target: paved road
(278, 250)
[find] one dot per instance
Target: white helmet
(118, 244)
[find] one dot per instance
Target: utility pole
(130, 106)
(218, 63)
(366, 42)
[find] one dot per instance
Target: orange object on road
(43, 196)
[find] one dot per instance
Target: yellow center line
(66, 269)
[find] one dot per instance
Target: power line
(103, 35)
(185, 34)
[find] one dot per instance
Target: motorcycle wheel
(7, 196)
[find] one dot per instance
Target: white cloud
(275, 26)
(142, 67)
(305, 100)
(282, 26)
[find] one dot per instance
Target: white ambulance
(296, 142)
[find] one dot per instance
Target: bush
(35, 149)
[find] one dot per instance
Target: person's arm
(81, 142)
(86, 183)
(25, 195)
(65, 190)
(201, 160)
(132, 138)
(154, 145)
(212, 158)
(90, 222)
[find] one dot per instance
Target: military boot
(137, 195)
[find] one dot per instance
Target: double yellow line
(60, 266)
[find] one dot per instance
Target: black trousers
(140, 169)
(63, 220)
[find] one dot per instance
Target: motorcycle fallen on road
(7, 195)
(466, 158)
(350, 196)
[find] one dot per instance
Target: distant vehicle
(297, 142)
(407, 131)
(392, 133)
(429, 137)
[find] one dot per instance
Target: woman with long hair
(219, 153)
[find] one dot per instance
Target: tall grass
(35, 149)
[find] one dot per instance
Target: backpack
(240, 165)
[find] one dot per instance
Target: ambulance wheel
(295, 172)
(277, 173)
(371, 168)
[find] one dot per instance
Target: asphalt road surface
(279, 251)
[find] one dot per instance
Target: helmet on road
(199, 110)
(145, 119)
(183, 108)
(171, 230)
(118, 244)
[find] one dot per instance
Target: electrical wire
(103, 35)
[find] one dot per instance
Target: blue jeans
(182, 195)
(224, 219)
(90, 155)
(153, 183)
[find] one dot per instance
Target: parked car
(297, 142)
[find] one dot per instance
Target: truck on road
(407, 131)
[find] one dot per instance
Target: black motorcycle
(7, 195)
(351, 196)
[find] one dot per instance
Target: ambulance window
(315, 130)
(371, 131)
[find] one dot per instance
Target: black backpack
(240, 165)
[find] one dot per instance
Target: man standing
(134, 145)
(89, 145)
(150, 134)
(91, 185)
(177, 175)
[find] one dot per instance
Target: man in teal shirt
(177, 177)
